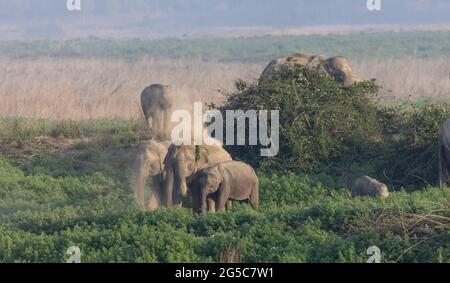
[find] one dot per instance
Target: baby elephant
(230, 180)
(366, 186)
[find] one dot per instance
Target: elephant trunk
(168, 187)
(180, 176)
(204, 201)
(183, 187)
(141, 178)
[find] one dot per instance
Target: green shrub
(341, 132)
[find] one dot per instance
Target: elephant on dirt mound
(156, 107)
(444, 155)
(335, 67)
(223, 182)
(182, 162)
(150, 164)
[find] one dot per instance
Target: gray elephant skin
(336, 67)
(150, 164)
(366, 186)
(444, 155)
(182, 162)
(156, 107)
(223, 182)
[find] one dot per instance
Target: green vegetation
(69, 183)
(54, 195)
(326, 128)
(358, 46)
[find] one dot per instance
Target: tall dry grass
(409, 79)
(95, 88)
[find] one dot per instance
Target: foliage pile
(342, 131)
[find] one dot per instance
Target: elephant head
(182, 162)
(340, 70)
(149, 163)
(203, 184)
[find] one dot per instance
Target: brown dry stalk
(96, 88)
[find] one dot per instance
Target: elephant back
(210, 155)
(336, 67)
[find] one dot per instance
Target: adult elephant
(444, 154)
(182, 162)
(150, 164)
(336, 67)
(156, 107)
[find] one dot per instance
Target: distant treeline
(357, 46)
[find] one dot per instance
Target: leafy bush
(319, 119)
(326, 128)
(52, 197)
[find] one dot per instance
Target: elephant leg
(166, 123)
(440, 179)
(444, 174)
(140, 197)
(204, 201)
(211, 204)
(168, 189)
(221, 200)
(177, 200)
(156, 197)
(254, 197)
(228, 205)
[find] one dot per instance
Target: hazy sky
(51, 17)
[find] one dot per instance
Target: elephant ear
(223, 178)
(161, 163)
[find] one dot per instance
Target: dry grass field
(409, 79)
(85, 88)
(94, 88)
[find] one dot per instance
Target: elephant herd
(205, 178)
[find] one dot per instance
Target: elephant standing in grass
(156, 107)
(182, 162)
(150, 163)
(223, 182)
(444, 155)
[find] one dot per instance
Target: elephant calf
(366, 186)
(230, 180)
